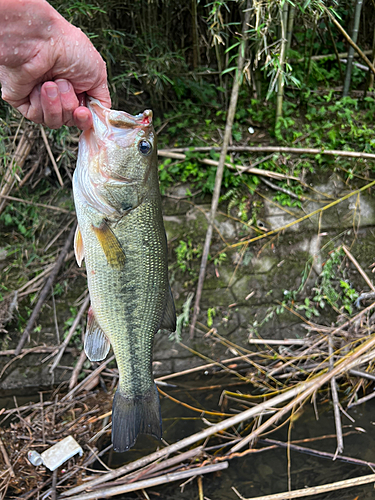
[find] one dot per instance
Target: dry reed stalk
(50, 154)
(315, 490)
(147, 483)
(335, 400)
(310, 387)
(19, 158)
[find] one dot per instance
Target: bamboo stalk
(354, 45)
(220, 167)
(314, 490)
(291, 17)
(282, 59)
(349, 64)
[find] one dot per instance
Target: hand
(44, 76)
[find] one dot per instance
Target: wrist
(24, 24)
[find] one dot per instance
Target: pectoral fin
(169, 319)
(97, 344)
(111, 246)
(78, 247)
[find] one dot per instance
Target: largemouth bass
(121, 236)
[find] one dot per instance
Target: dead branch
(147, 483)
(274, 149)
(45, 291)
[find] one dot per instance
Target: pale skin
(47, 64)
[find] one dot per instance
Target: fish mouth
(116, 125)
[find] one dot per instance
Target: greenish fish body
(121, 236)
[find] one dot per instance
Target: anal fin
(169, 319)
(96, 343)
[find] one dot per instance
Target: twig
(316, 453)
(358, 373)
(45, 291)
(52, 158)
(220, 167)
(54, 481)
(275, 149)
(70, 333)
(360, 270)
(147, 483)
(282, 190)
(77, 370)
(203, 367)
(6, 458)
(315, 490)
(335, 400)
(49, 207)
(278, 342)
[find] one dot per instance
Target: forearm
(24, 24)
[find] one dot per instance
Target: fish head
(119, 153)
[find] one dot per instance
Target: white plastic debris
(34, 457)
(57, 454)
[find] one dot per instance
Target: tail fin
(135, 415)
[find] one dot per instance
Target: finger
(68, 99)
(51, 105)
(82, 118)
(35, 111)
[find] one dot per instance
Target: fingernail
(64, 86)
(51, 91)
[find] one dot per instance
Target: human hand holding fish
(46, 63)
(122, 239)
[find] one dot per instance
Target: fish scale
(122, 239)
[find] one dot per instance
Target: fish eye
(145, 147)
